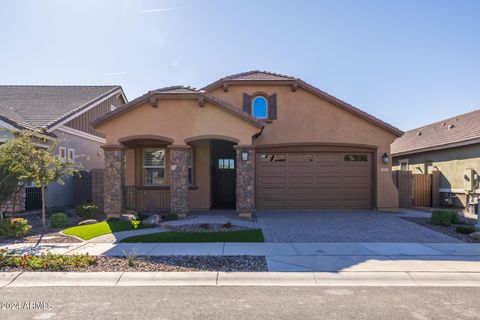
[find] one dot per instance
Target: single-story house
(450, 146)
(60, 114)
(251, 141)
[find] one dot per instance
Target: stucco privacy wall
(450, 162)
(304, 117)
(186, 120)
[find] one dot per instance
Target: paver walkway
(358, 226)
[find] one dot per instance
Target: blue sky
(407, 62)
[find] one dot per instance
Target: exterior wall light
(385, 158)
(245, 155)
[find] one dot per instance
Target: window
(226, 164)
(70, 155)
(403, 165)
(153, 167)
(62, 153)
(190, 166)
(273, 157)
(355, 157)
(260, 107)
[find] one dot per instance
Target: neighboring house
(250, 141)
(450, 146)
(62, 114)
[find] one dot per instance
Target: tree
(23, 157)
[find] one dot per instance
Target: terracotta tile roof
(34, 107)
(176, 89)
(258, 75)
(441, 134)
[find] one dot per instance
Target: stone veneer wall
(113, 181)
(245, 189)
(179, 181)
(16, 203)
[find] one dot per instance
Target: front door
(223, 174)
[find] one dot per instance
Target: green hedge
(14, 228)
(87, 211)
(59, 220)
(465, 229)
(444, 217)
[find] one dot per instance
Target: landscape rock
(475, 235)
(128, 217)
(88, 221)
(154, 219)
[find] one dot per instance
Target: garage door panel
(315, 181)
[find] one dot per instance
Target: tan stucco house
(250, 141)
(451, 147)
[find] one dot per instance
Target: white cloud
(121, 73)
(157, 10)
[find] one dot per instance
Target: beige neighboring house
(59, 114)
(450, 146)
(250, 141)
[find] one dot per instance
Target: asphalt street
(240, 303)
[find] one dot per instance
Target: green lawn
(254, 235)
(90, 231)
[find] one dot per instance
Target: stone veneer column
(179, 180)
(245, 190)
(113, 180)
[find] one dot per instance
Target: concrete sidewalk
(293, 257)
(139, 279)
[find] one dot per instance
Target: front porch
(151, 174)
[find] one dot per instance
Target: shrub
(441, 217)
(14, 228)
(465, 229)
(142, 216)
(227, 225)
(169, 217)
(45, 261)
(59, 220)
(87, 211)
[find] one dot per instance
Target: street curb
(232, 279)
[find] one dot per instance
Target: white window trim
(64, 152)
(153, 167)
(253, 106)
(400, 162)
(73, 155)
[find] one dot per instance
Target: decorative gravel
(449, 231)
(172, 264)
(206, 227)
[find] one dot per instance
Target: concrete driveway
(361, 226)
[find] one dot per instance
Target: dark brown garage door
(289, 181)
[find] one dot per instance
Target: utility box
(469, 179)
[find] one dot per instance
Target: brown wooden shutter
(247, 103)
(272, 107)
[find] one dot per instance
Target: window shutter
(272, 107)
(247, 103)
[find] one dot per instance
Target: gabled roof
(179, 92)
(462, 129)
(264, 77)
(37, 107)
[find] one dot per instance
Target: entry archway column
(179, 179)
(245, 188)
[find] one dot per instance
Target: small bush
(169, 217)
(445, 218)
(142, 216)
(227, 225)
(45, 261)
(87, 211)
(465, 229)
(14, 228)
(59, 220)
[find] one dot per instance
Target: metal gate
(33, 198)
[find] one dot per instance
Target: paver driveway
(364, 226)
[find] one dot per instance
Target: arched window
(260, 107)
